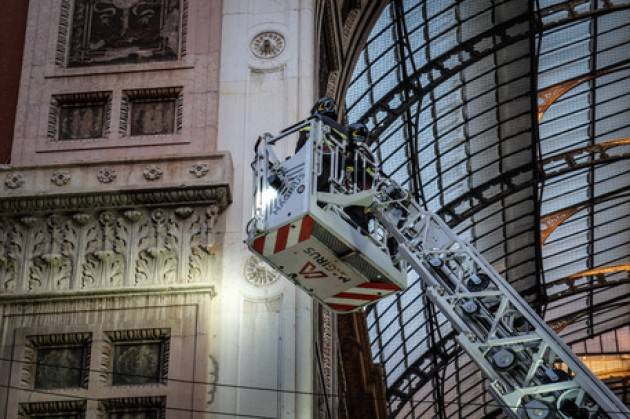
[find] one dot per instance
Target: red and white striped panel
(285, 237)
(360, 295)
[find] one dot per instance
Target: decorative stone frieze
(74, 409)
(133, 407)
(94, 186)
(63, 29)
(86, 251)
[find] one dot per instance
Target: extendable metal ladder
(532, 373)
(305, 234)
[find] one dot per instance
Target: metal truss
(512, 346)
(520, 178)
(423, 370)
(550, 222)
(606, 276)
(466, 53)
(549, 95)
(471, 50)
(609, 307)
(399, 105)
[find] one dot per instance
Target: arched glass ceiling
(454, 90)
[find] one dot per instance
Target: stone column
(266, 322)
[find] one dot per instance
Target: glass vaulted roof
(510, 119)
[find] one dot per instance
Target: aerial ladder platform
(306, 232)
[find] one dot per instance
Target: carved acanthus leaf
(109, 249)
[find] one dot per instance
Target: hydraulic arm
(307, 234)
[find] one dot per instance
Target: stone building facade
(125, 288)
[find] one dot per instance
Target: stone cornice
(178, 181)
(74, 296)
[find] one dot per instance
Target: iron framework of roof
(511, 120)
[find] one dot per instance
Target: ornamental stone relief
(152, 172)
(157, 111)
(258, 273)
(73, 409)
(123, 31)
(267, 45)
(135, 357)
(79, 116)
(108, 249)
(14, 180)
(152, 407)
(56, 361)
(199, 170)
(60, 178)
(106, 175)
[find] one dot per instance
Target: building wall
(73, 49)
(123, 273)
(263, 89)
(12, 22)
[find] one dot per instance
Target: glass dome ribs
(510, 119)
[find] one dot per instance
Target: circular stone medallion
(258, 273)
(267, 45)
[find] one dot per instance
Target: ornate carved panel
(151, 111)
(106, 249)
(136, 357)
(79, 116)
(57, 361)
(125, 31)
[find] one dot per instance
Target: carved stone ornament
(60, 178)
(49, 356)
(106, 175)
(136, 357)
(219, 194)
(14, 180)
(152, 173)
(91, 250)
(61, 408)
(153, 407)
(267, 44)
(199, 170)
(258, 274)
(125, 31)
